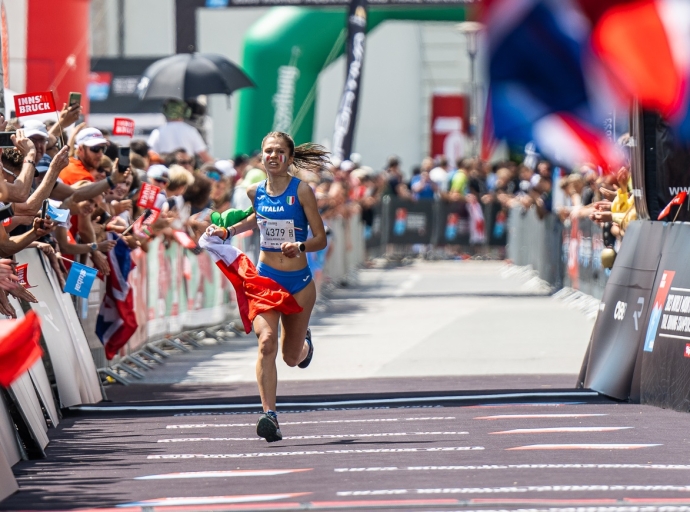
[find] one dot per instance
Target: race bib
(275, 233)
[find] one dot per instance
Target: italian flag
(255, 294)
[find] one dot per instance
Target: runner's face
(276, 156)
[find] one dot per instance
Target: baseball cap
(158, 172)
(33, 127)
(43, 164)
(226, 168)
(347, 165)
(90, 137)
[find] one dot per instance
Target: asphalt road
(450, 393)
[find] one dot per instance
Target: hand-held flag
(255, 294)
(678, 200)
(19, 348)
(80, 280)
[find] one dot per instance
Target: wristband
(225, 236)
(111, 184)
(27, 161)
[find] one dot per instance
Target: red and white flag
(19, 348)
(678, 200)
(255, 294)
(34, 103)
(123, 126)
(147, 196)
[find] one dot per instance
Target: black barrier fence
(640, 344)
(447, 224)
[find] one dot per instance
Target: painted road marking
(517, 466)
(315, 422)
(211, 500)
(523, 489)
(584, 446)
(223, 474)
(559, 430)
(319, 436)
(338, 403)
(535, 416)
(311, 452)
(538, 404)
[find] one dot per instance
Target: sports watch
(93, 246)
(302, 247)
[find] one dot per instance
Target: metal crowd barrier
(565, 255)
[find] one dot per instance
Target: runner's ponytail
(307, 157)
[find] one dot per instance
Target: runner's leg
(294, 346)
(266, 329)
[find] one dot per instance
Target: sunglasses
(159, 180)
(102, 170)
(96, 149)
(214, 176)
(185, 162)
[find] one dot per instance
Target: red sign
(147, 197)
(123, 126)
(22, 271)
(449, 126)
(687, 350)
(34, 103)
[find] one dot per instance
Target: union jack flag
(116, 318)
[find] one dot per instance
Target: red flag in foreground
(19, 348)
(676, 201)
(255, 294)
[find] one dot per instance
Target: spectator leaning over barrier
(66, 232)
(91, 145)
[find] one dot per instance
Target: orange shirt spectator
(74, 172)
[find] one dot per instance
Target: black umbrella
(188, 75)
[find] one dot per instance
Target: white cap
(90, 137)
(33, 127)
(158, 171)
(347, 165)
(226, 168)
(356, 159)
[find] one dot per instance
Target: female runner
(284, 209)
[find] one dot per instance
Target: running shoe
(310, 354)
(268, 428)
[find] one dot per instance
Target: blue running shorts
(292, 281)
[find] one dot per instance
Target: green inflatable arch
(285, 51)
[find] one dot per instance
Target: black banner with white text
(344, 132)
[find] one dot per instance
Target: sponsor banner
(455, 224)
(123, 126)
(147, 196)
(34, 103)
(343, 135)
(411, 221)
(619, 330)
(665, 365)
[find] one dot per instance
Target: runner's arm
(311, 210)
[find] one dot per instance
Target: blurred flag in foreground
(255, 294)
(116, 318)
(19, 348)
(645, 45)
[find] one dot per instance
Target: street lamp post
(471, 30)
